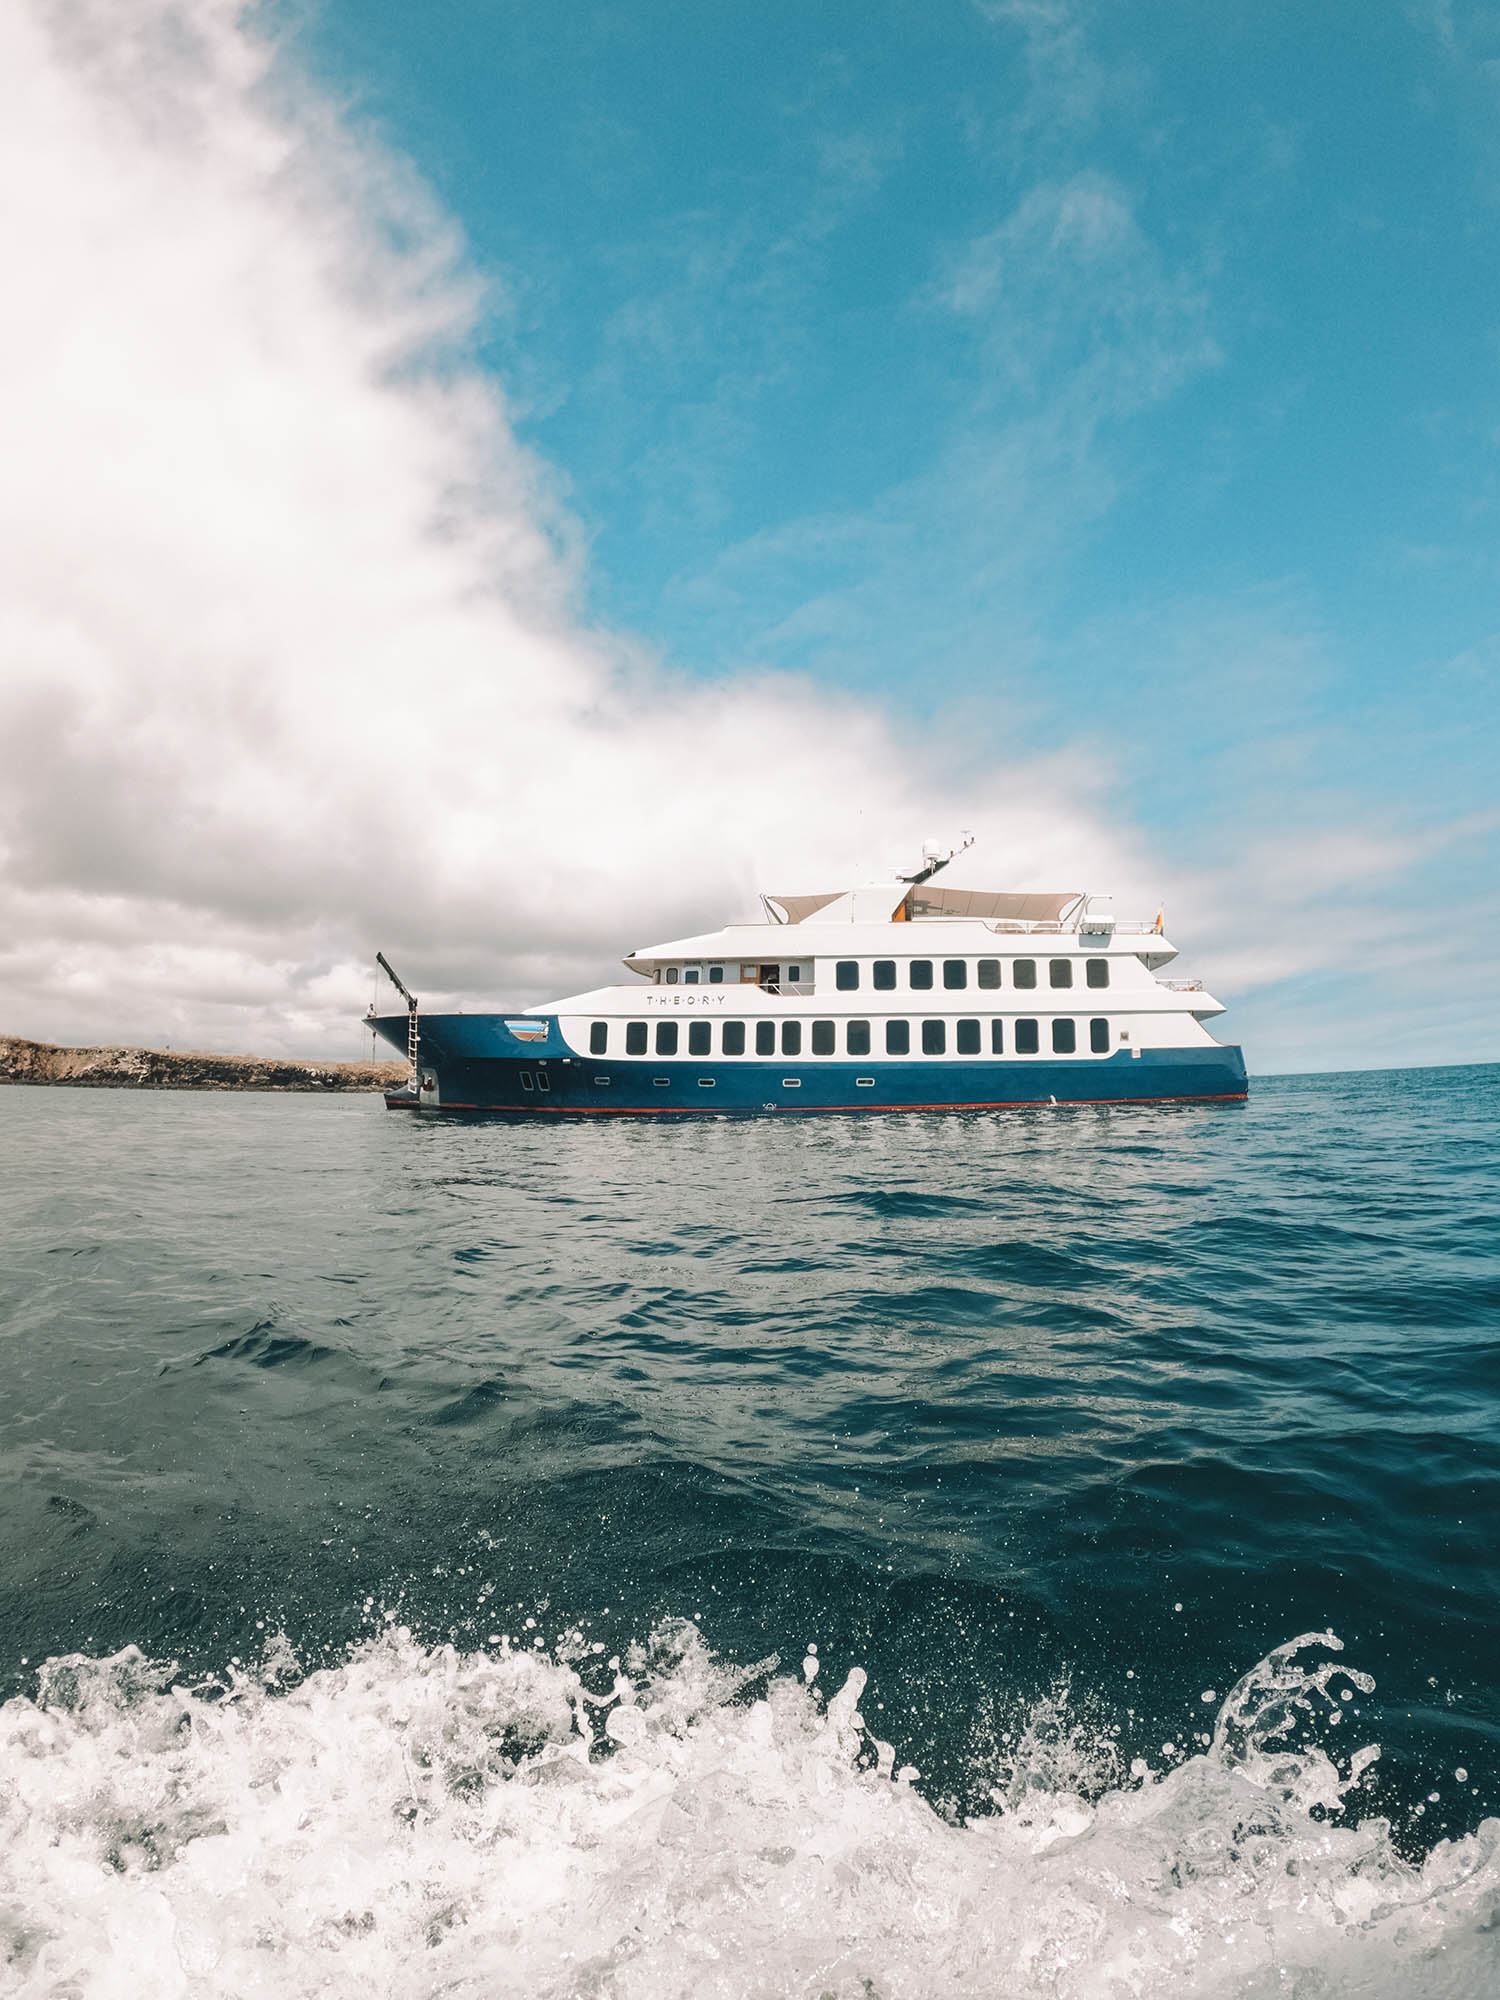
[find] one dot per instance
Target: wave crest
(530, 1820)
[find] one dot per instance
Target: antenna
(934, 859)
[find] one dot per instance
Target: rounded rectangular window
(1064, 1037)
(1023, 973)
(635, 1038)
(846, 975)
(823, 1043)
(966, 1038)
(700, 1038)
(1099, 1037)
(898, 1038)
(734, 1038)
(791, 1038)
(528, 1081)
(672, 975)
(794, 975)
(691, 976)
(1060, 972)
(955, 974)
(934, 1038)
(997, 1038)
(1096, 971)
(666, 1038)
(599, 1038)
(989, 974)
(765, 1038)
(857, 1038)
(883, 975)
(1027, 1042)
(716, 975)
(919, 975)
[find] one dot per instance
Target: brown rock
(168, 1069)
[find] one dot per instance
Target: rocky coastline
(23, 1061)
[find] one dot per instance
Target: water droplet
(1461, 1774)
(1208, 1695)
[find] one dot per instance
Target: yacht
(902, 995)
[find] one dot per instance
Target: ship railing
(1017, 926)
(805, 987)
(1182, 985)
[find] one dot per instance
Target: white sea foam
(424, 1822)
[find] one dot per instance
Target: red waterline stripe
(700, 1111)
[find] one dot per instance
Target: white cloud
(288, 665)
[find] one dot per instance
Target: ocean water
(1050, 1552)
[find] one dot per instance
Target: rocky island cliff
(169, 1069)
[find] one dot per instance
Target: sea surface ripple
(925, 1555)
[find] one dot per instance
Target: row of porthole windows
(955, 973)
(968, 1038)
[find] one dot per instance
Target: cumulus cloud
(290, 661)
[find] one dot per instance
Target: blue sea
(1050, 1552)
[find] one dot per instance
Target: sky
(502, 482)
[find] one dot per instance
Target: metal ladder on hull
(413, 1039)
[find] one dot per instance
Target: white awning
(797, 908)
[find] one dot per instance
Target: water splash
(528, 1821)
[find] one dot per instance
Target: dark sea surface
(399, 1518)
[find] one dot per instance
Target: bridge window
(1023, 972)
(1096, 971)
(691, 976)
(997, 1038)
(666, 1038)
(700, 1038)
(934, 1038)
(791, 1038)
(599, 1038)
(898, 1038)
(1027, 1042)
(1099, 1037)
(989, 974)
(794, 975)
(919, 975)
(1064, 1037)
(966, 1038)
(635, 1038)
(883, 975)
(671, 975)
(846, 975)
(1060, 972)
(734, 1038)
(823, 1043)
(765, 1038)
(857, 1038)
(716, 975)
(955, 974)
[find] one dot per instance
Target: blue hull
(481, 1067)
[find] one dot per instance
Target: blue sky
(798, 426)
(1127, 374)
